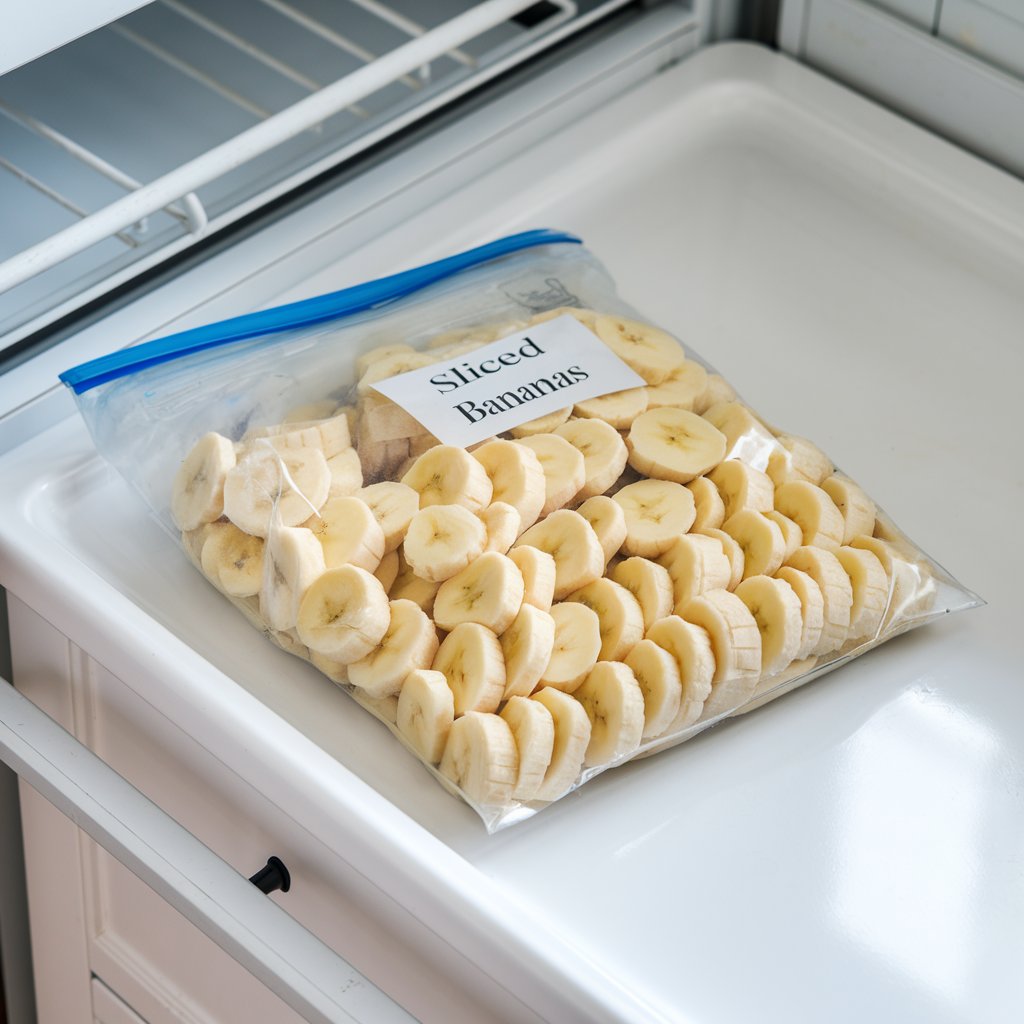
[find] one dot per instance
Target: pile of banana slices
(546, 603)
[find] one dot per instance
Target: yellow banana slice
(836, 591)
(346, 474)
(569, 539)
(286, 487)
(690, 647)
(747, 438)
(736, 644)
(393, 505)
(542, 424)
(381, 352)
(813, 511)
(856, 508)
(471, 659)
(870, 590)
(501, 522)
(576, 647)
(446, 475)
(607, 520)
(619, 615)
(761, 541)
(563, 466)
(657, 513)
(604, 453)
(673, 444)
(349, 534)
(812, 609)
(614, 703)
(649, 583)
(742, 487)
(197, 493)
(192, 542)
(527, 645)
(383, 460)
(480, 758)
(516, 476)
(708, 505)
(344, 614)
(391, 365)
(618, 410)
(425, 713)
(572, 735)
(716, 392)
(442, 540)
(792, 535)
(777, 612)
(489, 590)
(538, 569)
(380, 419)
(657, 675)
(410, 642)
(733, 552)
(233, 560)
(652, 352)
(387, 571)
(796, 458)
(331, 435)
(682, 388)
(293, 559)
(695, 563)
(912, 586)
(533, 730)
(408, 586)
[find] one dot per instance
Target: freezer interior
(858, 281)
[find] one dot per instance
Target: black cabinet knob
(272, 877)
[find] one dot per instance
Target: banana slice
(408, 586)
(798, 459)
(192, 542)
(346, 474)
(870, 590)
(542, 424)
(446, 475)
(344, 614)
(349, 534)
(197, 494)
(813, 511)
(480, 758)
(673, 444)
(516, 476)
(682, 388)
(695, 563)
(812, 609)
(607, 520)
(382, 460)
(572, 735)
(538, 569)
(533, 729)
(836, 590)
(614, 703)
(690, 648)
(652, 352)
(911, 586)
(619, 615)
(387, 571)
(380, 419)
(777, 612)
(392, 365)
(792, 535)
(293, 559)
(410, 642)
(747, 438)
(527, 645)
(657, 513)
(331, 436)
(501, 521)
(649, 583)
(618, 410)
(426, 711)
(311, 412)
(568, 538)
(367, 359)
(576, 647)
(385, 708)
(564, 469)
(736, 644)
(708, 505)
(489, 591)
(856, 508)
(716, 391)
(604, 453)
(742, 487)
(657, 674)
(393, 505)
(761, 541)
(471, 659)
(442, 540)
(233, 560)
(334, 670)
(286, 487)
(733, 552)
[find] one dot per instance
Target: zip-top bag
(515, 521)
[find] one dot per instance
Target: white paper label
(508, 382)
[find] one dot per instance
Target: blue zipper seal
(305, 313)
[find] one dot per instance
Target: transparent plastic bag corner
(145, 424)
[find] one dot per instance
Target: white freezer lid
(851, 852)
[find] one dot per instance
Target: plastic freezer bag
(518, 523)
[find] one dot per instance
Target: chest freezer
(849, 852)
